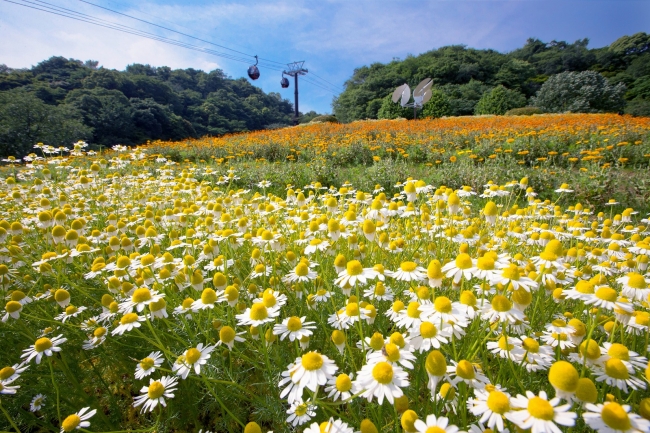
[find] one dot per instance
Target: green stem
(9, 418)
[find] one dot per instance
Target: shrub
(499, 100)
(579, 92)
(438, 105)
(326, 118)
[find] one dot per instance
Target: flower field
(187, 287)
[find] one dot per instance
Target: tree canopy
(107, 107)
(465, 74)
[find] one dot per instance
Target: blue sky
(333, 37)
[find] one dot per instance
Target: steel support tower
(295, 69)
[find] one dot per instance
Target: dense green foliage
(108, 107)
(499, 100)
(579, 92)
(465, 74)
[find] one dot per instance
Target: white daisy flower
(148, 365)
(408, 271)
(438, 425)
(492, 405)
(294, 327)
(78, 420)
(193, 358)
(540, 414)
(381, 380)
(156, 393)
(311, 370)
(127, 323)
(301, 412)
(612, 417)
(37, 402)
(43, 346)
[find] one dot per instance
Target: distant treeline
(60, 101)
(462, 76)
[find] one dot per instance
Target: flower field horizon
(478, 275)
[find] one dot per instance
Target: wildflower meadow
(484, 274)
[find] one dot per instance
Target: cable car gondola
(284, 82)
(253, 71)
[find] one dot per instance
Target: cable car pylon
(294, 70)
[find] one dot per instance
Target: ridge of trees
(82, 101)
(464, 75)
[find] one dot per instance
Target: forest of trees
(60, 101)
(463, 76)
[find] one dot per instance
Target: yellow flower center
(147, 363)
(531, 345)
(377, 341)
(380, 289)
(70, 423)
(156, 390)
(208, 296)
(128, 318)
(584, 286)
(269, 299)
(413, 310)
(615, 416)
(6, 373)
(498, 402)
(511, 272)
(636, 281)
(590, 349)
(192, 355)
(315, 242)
(485, 263)
(501, 304)
(540, 409)
(503, 343)
(383, 373)
(428, 330)
(99, 332)
(442, 304)
(259, 312)
(42, 344)
(616, 369)
(619, 351)
(13, 306)
(607, 294)
(71, 309)
(563, 376)
(294, 324)
(435, 430)
(435, 363)
(352, 309)
(312, 361)
(343, 383)
(548, 256)
(354, 267)
(226, 334)
(465, 370)
(392, 352)
(302, 270)
(408, 266)
(301, 409)
(463, 261)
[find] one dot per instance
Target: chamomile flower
(540, 414)
(339, 387)
(301, 273)
(501, 309)
(331, 426)
(147, 365)
(127, 323)
(37, 402)
(257, 315)
(6, 388)
(156, 393)
(381, 380)
(612, 417)
(408, 271)
(617, 374)
(437, 425)
(459, 268)
(43, 346)
(354, 273)
(300, 412)
(193, 358)
(78, 420)
(310, 371)
(294, 327)
(492, 405)
(465, 371)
